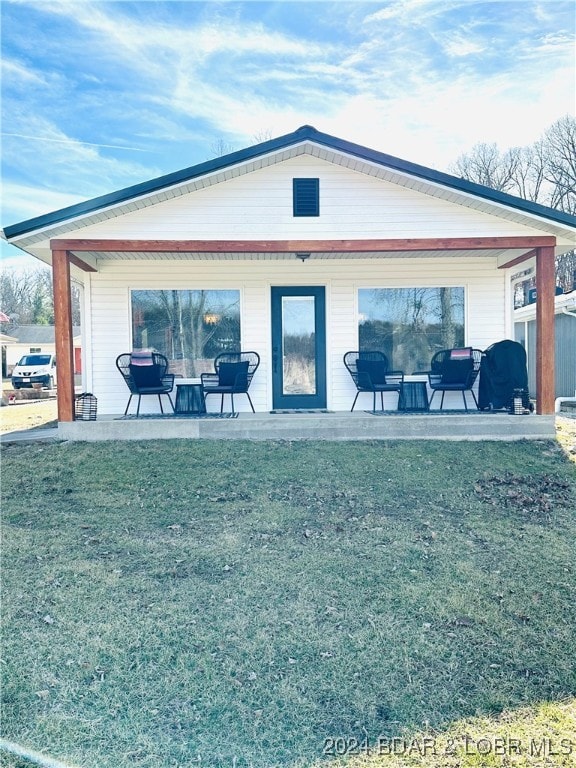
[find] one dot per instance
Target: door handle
(275, 359)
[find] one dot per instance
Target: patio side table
(189, 397)
(413, 397)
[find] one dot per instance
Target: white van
(38, 368)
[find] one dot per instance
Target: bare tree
(544, 172)
(560, 166)
(26, 297)
(220, 147)
(263, 135)
(486, 165)
(528, 175)
(566, 270)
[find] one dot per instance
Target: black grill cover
(502, 370)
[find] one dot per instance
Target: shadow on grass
(177, 603)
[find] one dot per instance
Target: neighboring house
(27, 339)
(301, 248)
(5, 340)
(565, 342)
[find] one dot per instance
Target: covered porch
(91, 256)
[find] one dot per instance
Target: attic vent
(306, 197)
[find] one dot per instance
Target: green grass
(239, 604)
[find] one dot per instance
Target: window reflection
(298, 345)
(410, 324)
(190, 327)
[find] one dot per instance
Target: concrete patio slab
(318, 426)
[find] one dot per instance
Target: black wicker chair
(146, 379)
(454, 370)
(369, 371)
(233, 375)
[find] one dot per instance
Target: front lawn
(179, 603)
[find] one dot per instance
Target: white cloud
(398, 11)
(159, 45)
(56, 158)
(420, 79)
(462, 46)
(12, 69)
(24, 201)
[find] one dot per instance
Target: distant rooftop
(37, 334)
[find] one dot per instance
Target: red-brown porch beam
(306, 246)
(545, 290)
(80, 263)
(519, 259)
(63, 334)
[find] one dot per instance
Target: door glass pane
(298, 346)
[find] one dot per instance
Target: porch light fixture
(302, 256)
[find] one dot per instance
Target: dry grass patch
(566, 435)
(28, 415)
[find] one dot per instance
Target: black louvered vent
(306, 194)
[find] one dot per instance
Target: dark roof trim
(304, 133)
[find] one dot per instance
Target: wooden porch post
(545, 291)
(63, 334)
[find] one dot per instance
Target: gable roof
(38, 334)
(302, 134)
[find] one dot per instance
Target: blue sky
(98, 95)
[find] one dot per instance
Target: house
(301, 248)
(29, 339)
(565, 342)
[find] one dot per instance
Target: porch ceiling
(506, 254)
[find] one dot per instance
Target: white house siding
(110, 309)
(258, 206)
